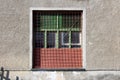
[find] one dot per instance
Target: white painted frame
(83, 31)
(63, 43)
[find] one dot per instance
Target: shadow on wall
(4, 74)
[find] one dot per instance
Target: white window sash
(62, 40)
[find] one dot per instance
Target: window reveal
(57, 39)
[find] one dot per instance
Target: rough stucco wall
(14, 34)
(89, 75)
(103, 37)
(103, 34)
(102, 46)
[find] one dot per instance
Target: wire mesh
(57, 39)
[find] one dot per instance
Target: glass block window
(57, 37)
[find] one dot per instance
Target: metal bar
(7, 75)
(2, 75)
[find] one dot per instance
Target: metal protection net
(57, 39)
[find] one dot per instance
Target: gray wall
(88, 75)
(103, 34)
(102, 31)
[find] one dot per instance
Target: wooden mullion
(59, 30)
(45, 39)
(57, 34)
(57, 39)
(69, 39)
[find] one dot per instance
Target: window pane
(57, 20)
(71, 20)
(51, 40)
(48, 21)
(67, 21)
(39, 39)
(75, 37)
(65, 36)
(64, 39)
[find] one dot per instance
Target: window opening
(57, 39)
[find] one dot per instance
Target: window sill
(38, 69)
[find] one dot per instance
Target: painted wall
(45, 75)
(102, 32)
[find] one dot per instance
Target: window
(57, 39)
(73, 40)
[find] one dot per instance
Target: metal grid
(57, 39)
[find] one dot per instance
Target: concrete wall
(102, 32)
(45, 75)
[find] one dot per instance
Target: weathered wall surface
(89, 75)
(14, 34)
(102, 31)
(14, 29)
(103, 34)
